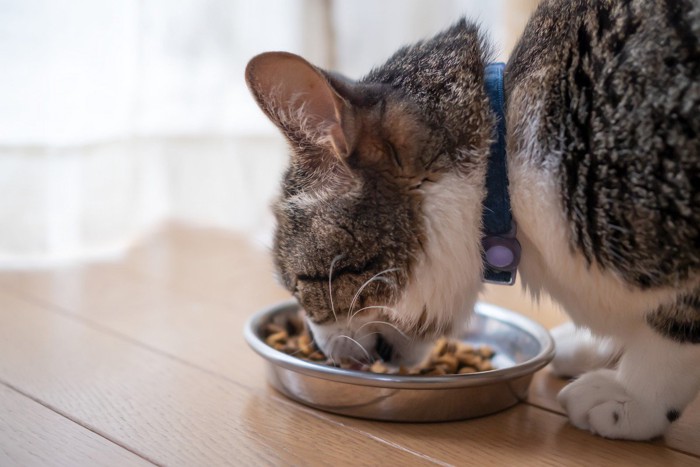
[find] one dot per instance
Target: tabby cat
(379, 222)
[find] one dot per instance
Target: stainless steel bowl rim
(365, 378)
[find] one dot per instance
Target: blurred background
(117, 116)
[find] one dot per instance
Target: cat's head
(378, 222)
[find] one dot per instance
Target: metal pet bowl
(522, 347)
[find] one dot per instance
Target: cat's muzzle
(367, 341)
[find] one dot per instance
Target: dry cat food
(448, 357)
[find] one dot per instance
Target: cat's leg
(656, 379)
(578, 351)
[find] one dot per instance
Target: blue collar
(501, 250)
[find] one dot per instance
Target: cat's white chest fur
(447, 275)
(592, 297)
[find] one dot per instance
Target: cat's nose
(384, 349)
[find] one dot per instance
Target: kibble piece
(446, 369)
(378, 367)
(305, 345)
(466, 370)
(486, 351)
(440, 347)
(468, 359)
(278, 337)
(318, 356)
(449, 361)
(464, 347)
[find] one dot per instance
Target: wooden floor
(142, 361)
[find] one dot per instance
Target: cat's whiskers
(370, 307)
(401, 333)
(331, 360)
(359, 362)
(294, 354)
(330, 284)
(376, 277)
(343, 336)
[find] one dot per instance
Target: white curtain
(116, 115)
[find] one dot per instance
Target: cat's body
(605, 172)
(387, 179)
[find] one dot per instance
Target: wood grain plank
(524, 435)
(33, 435)
(78, 389)
(208, 263)
(161, 409)
(194, 330)
(167, 307)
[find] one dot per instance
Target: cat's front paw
(578, 351)
(598, 402)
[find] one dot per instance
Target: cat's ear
(301, 101)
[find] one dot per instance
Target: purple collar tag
(501, 257)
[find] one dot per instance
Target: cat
(379, 222)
